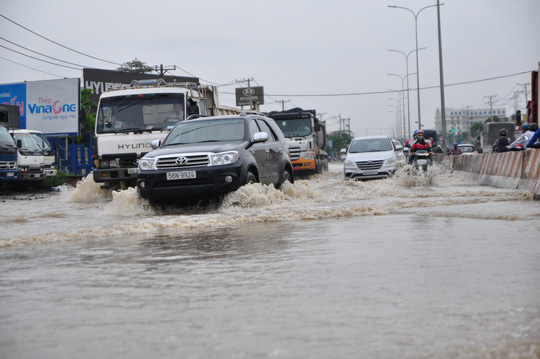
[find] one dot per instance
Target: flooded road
(434, 267)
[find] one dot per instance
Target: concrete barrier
(514, 169)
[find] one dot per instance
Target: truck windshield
(43, 143)
(295, 127)
(207, 131)
(146, 113)
(371, 145)
(29, 144)
(5, 137)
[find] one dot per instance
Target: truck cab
(49, 164)
(9, 170)
(30, 159)
(307, 139)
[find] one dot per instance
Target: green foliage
(476, 129)
(340, 140)
(59, 179)
(88, 110)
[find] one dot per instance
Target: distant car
(371, 157)
(211, 156)
(467, 149)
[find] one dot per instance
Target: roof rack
(251, 112)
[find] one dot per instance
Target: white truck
(30, 159)
(130, 118)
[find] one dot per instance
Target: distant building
(462, 119)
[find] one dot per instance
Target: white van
(371, 157)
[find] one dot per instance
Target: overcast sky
(328, 55)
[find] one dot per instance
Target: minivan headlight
(146, 164)
(224, 158)
(390, 161)
(349, 164)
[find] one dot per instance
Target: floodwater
(428, 267)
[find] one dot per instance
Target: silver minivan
(371, 157)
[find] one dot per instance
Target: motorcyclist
(502, 143)
(455, 150)
(420, 144)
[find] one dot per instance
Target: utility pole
(491, 106)
(161, 71)
(283, 104)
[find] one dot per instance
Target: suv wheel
(250, 178)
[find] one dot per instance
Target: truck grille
(369, 165)
(294, 153)
(4, 165)
(183, 161)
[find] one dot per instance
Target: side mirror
(19, 143)
(399, 147)
(343, 151)
(156, 144)
(260, 137)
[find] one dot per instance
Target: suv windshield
(146, 113)
(371, 145)
(232, 129)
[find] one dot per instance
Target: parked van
(30, 159)
(371, 157)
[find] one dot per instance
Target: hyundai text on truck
(130, 118)
(307, 139)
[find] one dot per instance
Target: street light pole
(408, 134)
(403, 101)
(399, 113)
(416, 37)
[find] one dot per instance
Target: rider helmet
(533, 127)
(525, 127)
(419, 132)
(502, 132)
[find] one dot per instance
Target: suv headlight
(224, 158)
(350, 164)
(146, 164)
(390, 161)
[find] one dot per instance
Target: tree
(87, 117)
(476, 129)
(492, 119)
(136, 66)
(340, 140)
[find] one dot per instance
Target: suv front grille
(369, 165)
(183, 161)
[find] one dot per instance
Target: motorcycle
(421, 159)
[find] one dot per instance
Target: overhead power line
(39, 53)
(28, 67)
(35, 58)
(56, 43)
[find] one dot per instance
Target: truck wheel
(318, 167)
(250, 178)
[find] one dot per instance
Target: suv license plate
(171, 176)
(369, 173)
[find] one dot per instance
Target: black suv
(210, 156)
